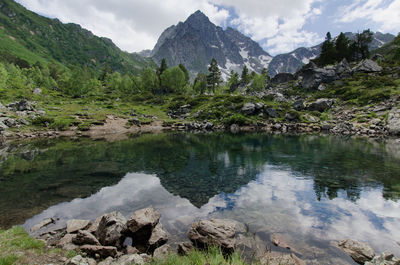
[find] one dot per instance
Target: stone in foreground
(141, 224)
(158, 237)
(79, 260)
(74, 226)
(359, 252)
(184, 248)
(215, 232)
(102, 251)
(162, 252)
(85, 238)
(109, 231)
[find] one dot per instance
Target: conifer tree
(342, 47)
(245, 78)
(214, 76)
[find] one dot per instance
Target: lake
(311, 190)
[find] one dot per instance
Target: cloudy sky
(278, 25)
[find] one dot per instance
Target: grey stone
(37, 91)
(158, 237)
(393, 123)
(102, 251)
(24, 105)
(143, 218)
(385, 258)
(66, 242)
(162, 252)
(218, 232)
(248, 108)
(321, 105)
(75, 225)
(107, 261)
(77, 260)
(42, 224)
(185, 247)
(292, 116)
(367, 66)
(282, 78)
(234, 128)
(271, 113)
(129, 259)
(298, 105)
(359, 252)
(322, 87)
(85, 238)
(109, 231)
(259, 106)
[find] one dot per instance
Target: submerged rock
(42, 224)
(386, 258)
(359, 252)
(215, 232)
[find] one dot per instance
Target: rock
(10, 123)
(298, 105)
(131, 250)
(85, 238)
(158, 237)
(234, 128)
(66, 242)
(185, 247)
(93, 227)
(278, 241)
(259, 106)
(109, 231)
(282, 78)
(367, 66)
(248, 108)
(292, 116)
(107, 261)
(322, 87)
(311, 118)
(42, 224)
(75, 225)
(162, 252)
(279, 259)
(219, 232)
(41, 113)
(359, 252)
(129, 259)
(393, 123)
(143, 219)
(271, 113)
(321, 105)
(79, 260)
(102, 251)
(37, 91)
(24, 105)
(343, 68)
(312, 78)
(386, 258)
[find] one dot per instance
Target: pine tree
(342, 47)
(245, 78)
(163, 67)
(214, 77)
(200, 83)
(233, 81)
(186, 72)
(328, 51)
(360, 48)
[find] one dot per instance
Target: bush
(42, 121)
(61, 124)
(238, 119)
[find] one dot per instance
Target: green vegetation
(197, 257)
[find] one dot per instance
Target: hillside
(33, 38)
(390, 50)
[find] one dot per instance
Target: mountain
(33, 38)
(291, 62)
(196, 41)
(391, 50)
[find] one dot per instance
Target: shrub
(42, 121)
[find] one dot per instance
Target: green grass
(197, 257)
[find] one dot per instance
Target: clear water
(312, 190)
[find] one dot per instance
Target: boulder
(248, 108)
(162, 252)
(367, 66)
(214, 232)
(386, 258)
(279, 241)
(282, 78)
(359, 252)
(158, 237)
(24, 105)
(298, 105)
(129, 250)
(312, 78)
(93, 227)
(107, 261)
(343, 69)
(10, 122)
(79, 260)
(42, 224)
(185, 247)
(271, 113)
(102, 251)
(109, 231)
(85, 238)
(143, 220)
(37, 91)
(66, 242)
(75, 225)
(393, 122)
(129, 259)
(292, 116)
(321, 105)
(234, 128)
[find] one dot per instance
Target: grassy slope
(390, 50)
(33, 38)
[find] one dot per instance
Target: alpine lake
(311, 190)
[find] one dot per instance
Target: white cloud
(133, 25)
(385, 13)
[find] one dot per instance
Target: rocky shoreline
(113, 239)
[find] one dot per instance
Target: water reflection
(311, 189)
